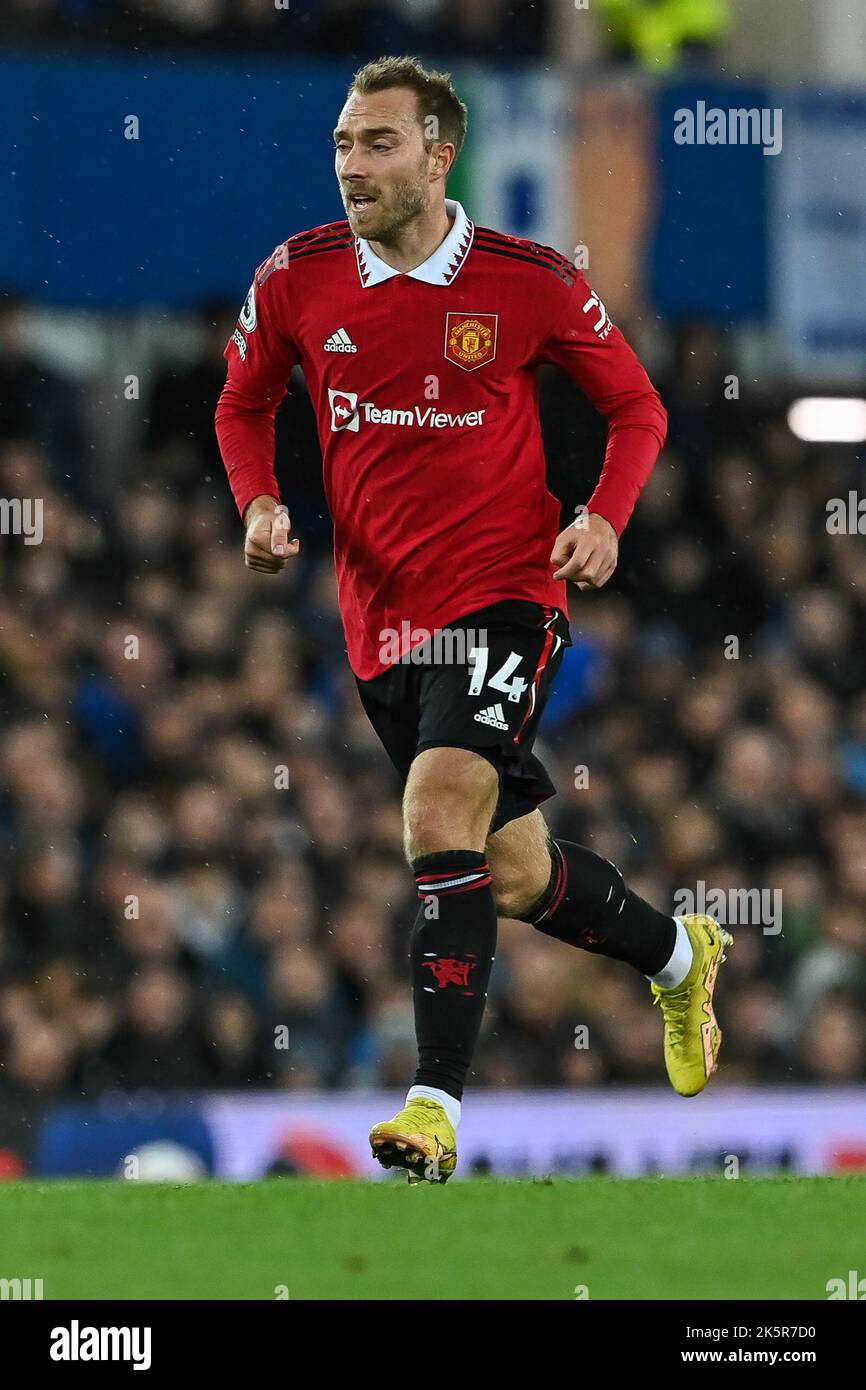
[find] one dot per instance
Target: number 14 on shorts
(504, 680)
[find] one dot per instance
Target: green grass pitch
(693, 1238)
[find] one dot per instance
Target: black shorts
(481, 684)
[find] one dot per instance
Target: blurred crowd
(362, 28)
(201, 879)
(654, 33)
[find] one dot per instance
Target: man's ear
(444, 156)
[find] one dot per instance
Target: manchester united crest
(470, 339)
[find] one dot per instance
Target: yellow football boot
(692, 1035)
(420, 1139)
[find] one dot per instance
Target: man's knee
(520, 865)
(517, 898)
(450, 799)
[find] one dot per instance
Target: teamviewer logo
(344, 410)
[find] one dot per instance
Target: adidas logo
(493, 715)
(340, 342)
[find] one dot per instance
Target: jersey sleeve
(260, 355)
(594, 353)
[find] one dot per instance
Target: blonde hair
(435, 92)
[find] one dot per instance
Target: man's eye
(380, 149)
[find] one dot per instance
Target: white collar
(439, 269)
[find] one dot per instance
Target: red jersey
(425, 389)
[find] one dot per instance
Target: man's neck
(417, 241)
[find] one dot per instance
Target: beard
(386, 219)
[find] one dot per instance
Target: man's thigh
(451, 796)
(392, 704)
(490, 696)
(481, 688)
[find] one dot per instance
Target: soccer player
(419, 335)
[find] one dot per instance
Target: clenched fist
(586, 552)
(267, 546)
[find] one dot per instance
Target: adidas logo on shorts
(340, 342)
(493, 715)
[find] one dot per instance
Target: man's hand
(267, 546)
(586, 552)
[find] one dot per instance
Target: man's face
(382, 165)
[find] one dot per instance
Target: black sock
(588, 905)
(452, 951)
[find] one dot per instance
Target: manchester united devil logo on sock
(449, 971)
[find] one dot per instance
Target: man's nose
(352, 166)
